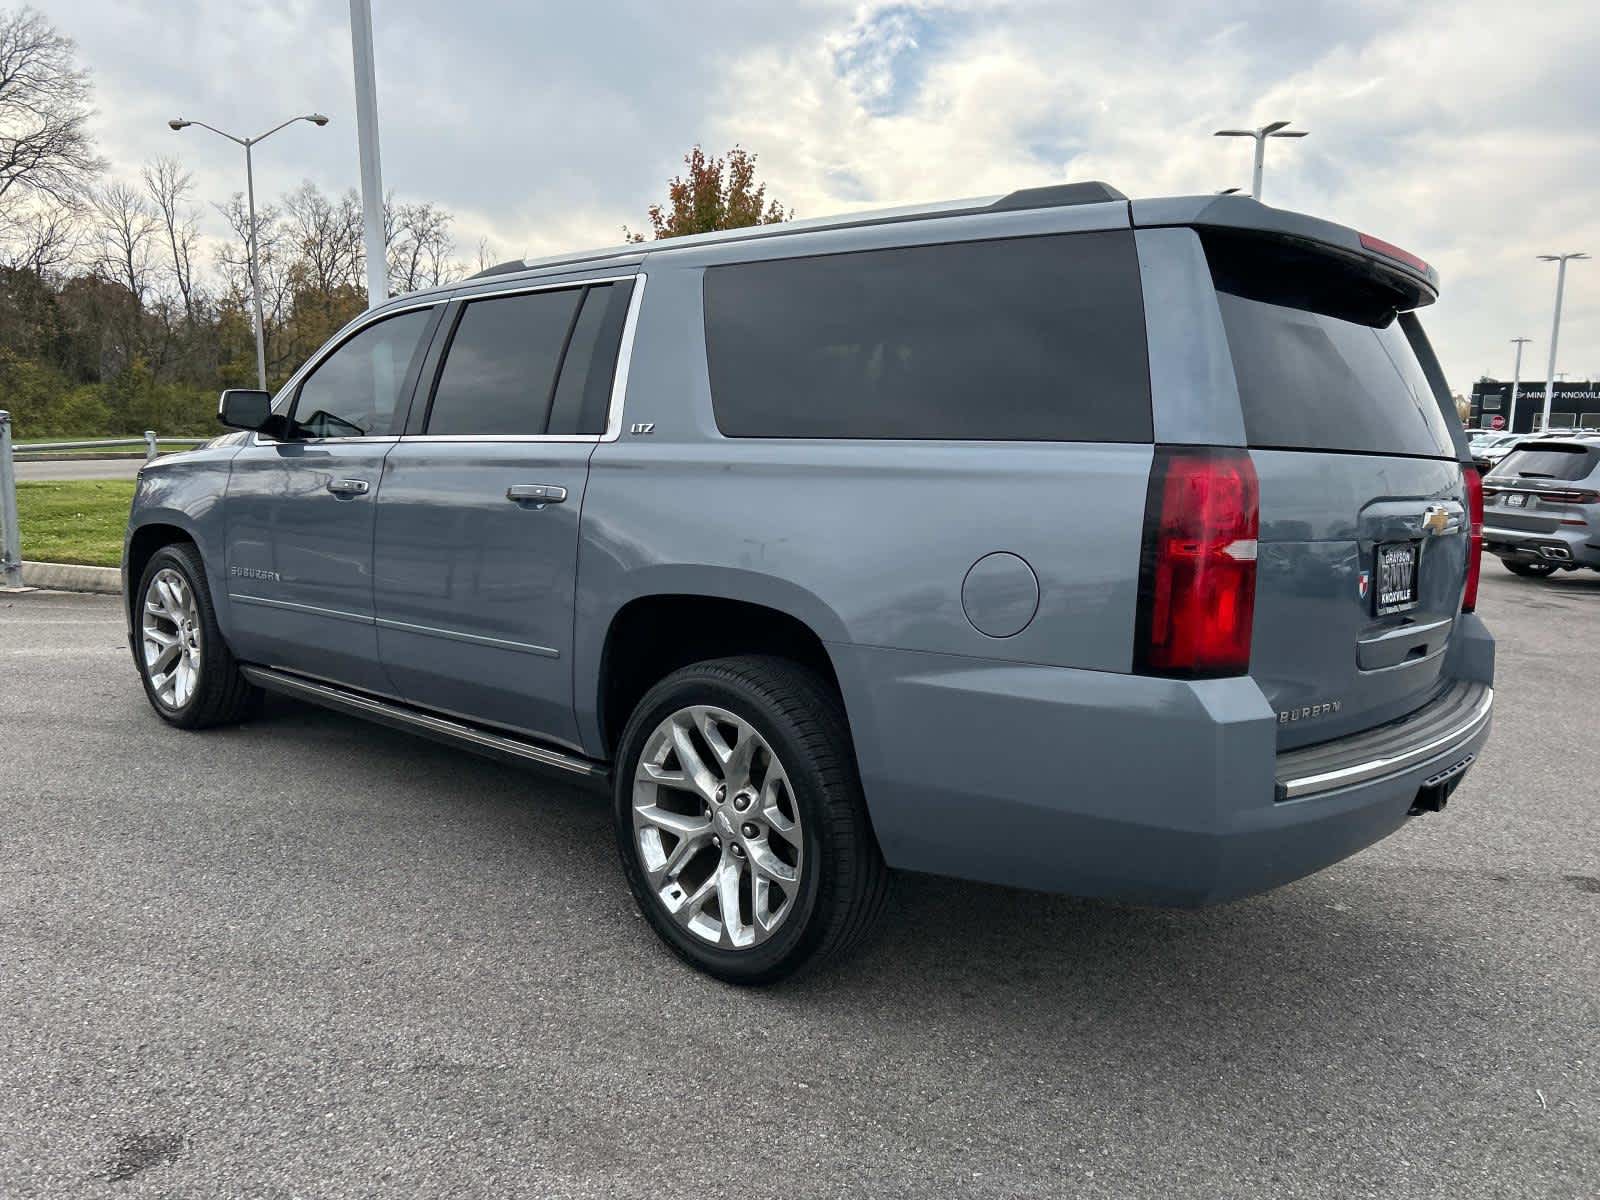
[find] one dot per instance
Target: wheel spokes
(170, 633)
(717, 827)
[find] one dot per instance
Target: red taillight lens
(1474, 485)
(1197, 577)
(1389, 250)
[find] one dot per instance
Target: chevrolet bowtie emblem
(1436, 519)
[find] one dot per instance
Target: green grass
(77, 521)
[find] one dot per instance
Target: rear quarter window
(1018, 339)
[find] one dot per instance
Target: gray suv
(1542, 505)
(1052, 540)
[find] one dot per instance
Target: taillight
(1473, 482)
(1390, 250)
(1197, 576)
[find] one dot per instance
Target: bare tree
(123, 229)
(486, 255)
(45, 147)
(167, 185)
(419, 246)
(44, 240)
(272, 262)
(327, 237)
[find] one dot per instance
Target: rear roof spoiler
(1243, 215)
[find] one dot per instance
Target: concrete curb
(69, 577)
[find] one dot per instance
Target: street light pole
(1561, 261)
(371, 162)
(250, 240)
(1275, 129)
(1516, 383)
(255, 275)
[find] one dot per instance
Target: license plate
(1516, 500)
(1397, 577)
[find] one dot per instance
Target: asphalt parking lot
(312, 957)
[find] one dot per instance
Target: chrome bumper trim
(1299, 787)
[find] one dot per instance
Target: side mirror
(245, 408)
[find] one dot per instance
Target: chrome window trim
(619, 380)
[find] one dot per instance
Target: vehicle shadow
(1312, 966)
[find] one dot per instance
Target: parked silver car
(1542, 505)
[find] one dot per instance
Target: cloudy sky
(1466, 131)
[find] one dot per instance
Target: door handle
(536, 493)
(349, 487)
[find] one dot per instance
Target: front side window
(1025, 339)
(356, 390)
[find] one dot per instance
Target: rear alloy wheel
(189, 674)
(740, 820)
(1532, 570)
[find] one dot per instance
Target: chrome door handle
(349, 487)
(536, 493)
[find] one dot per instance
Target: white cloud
(1465, 131)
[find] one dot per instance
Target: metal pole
(1555, 332)
(1516, 384)
(10, 533)
(149, 444)
(367, 139)
(1261, 158)
(255, 272)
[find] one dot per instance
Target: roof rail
(1058, 194)
(1053, 196)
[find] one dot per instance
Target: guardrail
(10, 532)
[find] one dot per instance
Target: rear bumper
(1149, 790)
(1567, 546)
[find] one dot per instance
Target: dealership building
(1575, 406)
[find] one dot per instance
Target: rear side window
(500, 370)
(1020, 339)
(584, 393)
(1548, 462)
(1321, 360)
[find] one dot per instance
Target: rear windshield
(1321, 360)
(1548, 462)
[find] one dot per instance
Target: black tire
(843, 881)
(1530, 570)
(222, 695)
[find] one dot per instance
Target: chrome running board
(430, 725)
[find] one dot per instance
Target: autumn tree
(717, 193)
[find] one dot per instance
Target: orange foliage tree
(717, 193)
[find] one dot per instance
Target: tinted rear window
(1026, 339)
(500, 369)
(1321, 360)
(1548, 462)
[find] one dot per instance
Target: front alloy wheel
(170, 637)
(189, 673)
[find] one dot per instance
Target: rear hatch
(1542, 486)
(1364, 525)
